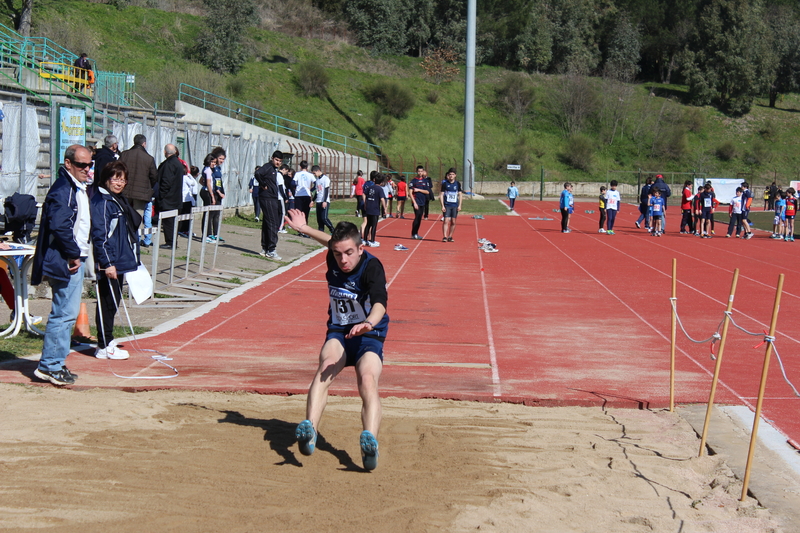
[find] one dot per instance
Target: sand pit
(106, 460)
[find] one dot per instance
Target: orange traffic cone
(82, 333)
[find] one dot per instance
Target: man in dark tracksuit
(170, 190)
(270, 198)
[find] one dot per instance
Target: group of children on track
(697, 209)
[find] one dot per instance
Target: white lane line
(489, 334)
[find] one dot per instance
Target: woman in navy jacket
(116, 251)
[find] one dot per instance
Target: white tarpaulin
(9, 176)
(724, 189)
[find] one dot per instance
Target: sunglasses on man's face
(80, 165)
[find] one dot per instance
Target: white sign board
(514, 167)
(724, 189)
(71, 129)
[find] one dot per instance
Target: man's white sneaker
(601, 230)
(111, 352)
(374, 244)
(273, 255)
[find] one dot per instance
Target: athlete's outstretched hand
(295, 219)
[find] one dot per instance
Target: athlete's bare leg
(331, 361)
(368, 372)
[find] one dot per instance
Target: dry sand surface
(106, 460)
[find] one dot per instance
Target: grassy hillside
(658, 132)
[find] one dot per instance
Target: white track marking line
(397, 272)
(489, 333)
(613, 294)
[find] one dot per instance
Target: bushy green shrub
(391, 97)
(726, 151)
(312, 79)
(382, 126)
(578, 153)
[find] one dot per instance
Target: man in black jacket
(644, 199)
(666, 192)
(270, 198)
(170, 185)
(105, 155)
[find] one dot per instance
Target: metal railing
(257, 117)
(52, 60)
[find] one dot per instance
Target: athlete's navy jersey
(352, 294)
(372, 199)
(450, 191)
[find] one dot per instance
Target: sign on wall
(71, 129)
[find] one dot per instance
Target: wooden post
(725, 323)
(765, 370)
(673, 304)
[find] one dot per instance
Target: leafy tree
(380, 24)
(730, 61)
(785, 32)
(622, 56)
(534, 45)
(420, 27)
(220, 47)
(575, 47)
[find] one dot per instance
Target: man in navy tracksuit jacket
(62, 250)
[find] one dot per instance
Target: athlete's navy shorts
(707, 214)
(789, 217)
(450, 211)
(356, 346)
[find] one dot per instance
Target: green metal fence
(304, 132)
(19, 53)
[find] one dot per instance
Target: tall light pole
(469, 100)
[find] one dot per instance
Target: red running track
(552, 319)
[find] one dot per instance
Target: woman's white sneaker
(111, 352)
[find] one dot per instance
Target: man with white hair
(107, 154)
(170, 190)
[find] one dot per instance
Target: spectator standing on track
(374, 200)
(116, 251)
(388, 191)
(450, 197)
(323, 186)
(657, 212)
(601, 207)
(142, 177)
(612, 206)
(357, 327)
(512, 193)
(402, 195)
(206, 186)
(108, 153)
(429, 198)
(566, 203)
(774, 194)
(766, 198)
(666, 192)
(791, 211)
(735, 211)
(170, 187)
(707, 198)
(687, 221)
(747, 203)
(218, 191)
(419, 199)
(62, 249)
(357, 190)
(189, 192)
(270, 196)
(697, 210)
(302, 194)
(252, 188)
(779, 223)
(644, 204)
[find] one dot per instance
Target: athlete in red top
(686, 208)
(402, 195)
